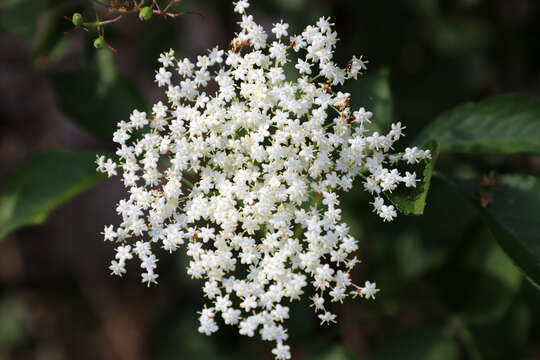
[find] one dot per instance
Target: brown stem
(171, 15)
(171, 3)
(99, 23)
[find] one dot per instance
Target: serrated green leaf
(513, 217)
(412, 201)
(40, 184)
(511, 212)
(504, 124)
(97, 99)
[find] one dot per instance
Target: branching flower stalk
(114, 12)
(246, 177)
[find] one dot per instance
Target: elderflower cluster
(241, 167)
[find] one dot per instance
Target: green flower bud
(146, 13)
(77, 19)
(99, 43)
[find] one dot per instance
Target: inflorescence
(246, 176)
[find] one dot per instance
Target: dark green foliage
(42, 183)
(504, 124)
(99, 98)
(421, 343)
(512, 216)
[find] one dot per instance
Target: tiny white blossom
(163, 77)
(303, 67)
(369, 290)
(241, 6)
(167, 58)
(280, 29)
(282, 352)
(327, 317)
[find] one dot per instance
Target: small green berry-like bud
(99, 43)
(77, 19)
(146, 13)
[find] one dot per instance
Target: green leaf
(513, 217)
(506, 337)
(52, 42)
(99, 98)
(372, 91)
(412, 201)
(504, 124)
(40, 184)
(20, 17)
(421, 343)
(492, 280)
(48, 42)
(14, 322)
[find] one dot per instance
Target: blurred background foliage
(449, 291)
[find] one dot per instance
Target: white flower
(327, 317)
(303, 67)
(108, 233)
(362, 115)
(167, 58)
(232, 175)
(138, 119)
(241, 6)
(123, 253)
(185, 67)
(163, 77)
(409, 179)
(280, 29)
(388, 213)
(117, 268)
(356, 66)
(369, 290)
(282, 352)
(414, 155)
(231, 316)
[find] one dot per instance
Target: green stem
(466, 337)
(187, 182)
(328, 126)
(336, 109)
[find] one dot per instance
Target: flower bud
(77, 19)
(99, 43)
(145, 13)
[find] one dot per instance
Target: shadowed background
(448, 291)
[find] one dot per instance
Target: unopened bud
(146, 13)
(99, 43)
(77, 19)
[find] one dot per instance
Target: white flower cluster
(245, 177)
